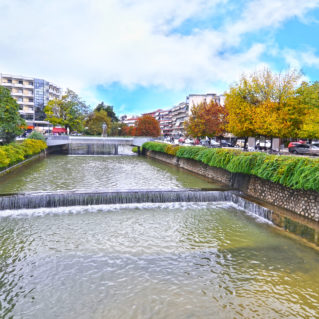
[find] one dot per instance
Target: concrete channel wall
(304, 203)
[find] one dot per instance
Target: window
(30, 99)
(30, 83)
(20, 82)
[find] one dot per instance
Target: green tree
(108, 109)
(11, 122)
(95, 121)
(69, 111)
(117, 129)
(206, 120)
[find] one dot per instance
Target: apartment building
(195, 99)
(31, 94)
(179, 114)
(129, 120)
(165, 119)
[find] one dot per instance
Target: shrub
(155, 146)
(172, 149)
(14, 153)
(290, 171)
(4, 160)
(36, 136)
(134, 149)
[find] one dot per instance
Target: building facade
(172, 120)
(195, 99)
(31, 94)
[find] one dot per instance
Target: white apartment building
(195, 99)
(31, 94)
(179, 114)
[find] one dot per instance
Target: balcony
(18, 85)
(17, 93)
(28, 103)
(6, 84)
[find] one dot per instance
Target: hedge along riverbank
(289, 171)
(15, 153)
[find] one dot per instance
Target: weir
(64, 199)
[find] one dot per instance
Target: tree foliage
(11, 122)
(147, 125)
(69, 111)
(95, 121)
(308, 96)
(207, 120)
(108, 109)
(264, 103)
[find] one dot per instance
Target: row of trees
(261, 104)
(71, 112)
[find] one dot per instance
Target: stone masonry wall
(305, 203)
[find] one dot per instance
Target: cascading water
(64, 199)
(106, 148)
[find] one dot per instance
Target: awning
(59, 130)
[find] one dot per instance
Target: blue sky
(140, 55)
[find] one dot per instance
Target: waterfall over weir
(63, 199)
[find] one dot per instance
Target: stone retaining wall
(305, 203)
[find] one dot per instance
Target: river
(164, 260)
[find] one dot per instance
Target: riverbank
(301, 202)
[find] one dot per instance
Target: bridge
(87, 145)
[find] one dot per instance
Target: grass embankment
(290, 171)
(15, 153)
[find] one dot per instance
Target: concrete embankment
(303, 203)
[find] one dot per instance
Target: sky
(141, 55)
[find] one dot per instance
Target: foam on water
(41, 212)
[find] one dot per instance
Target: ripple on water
(185, 260)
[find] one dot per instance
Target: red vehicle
(292, 144)
(181, 140)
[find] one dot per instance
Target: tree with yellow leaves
(264, 103)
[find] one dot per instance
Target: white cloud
(83, 43)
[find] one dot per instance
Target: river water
(165, 260)
(57, 173)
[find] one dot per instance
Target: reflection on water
(98, 173)
(182, 260)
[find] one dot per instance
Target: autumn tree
(264, 103)
(147, 125)
(69, 111)
(94, 123)
(129, 130)
(11, 122)
(206, 120)
(308, 96)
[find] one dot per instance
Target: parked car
(298, 148)
(189, 141)
(224, 143)
(212, 143)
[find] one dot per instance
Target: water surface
(152, 261)
(57, 173)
